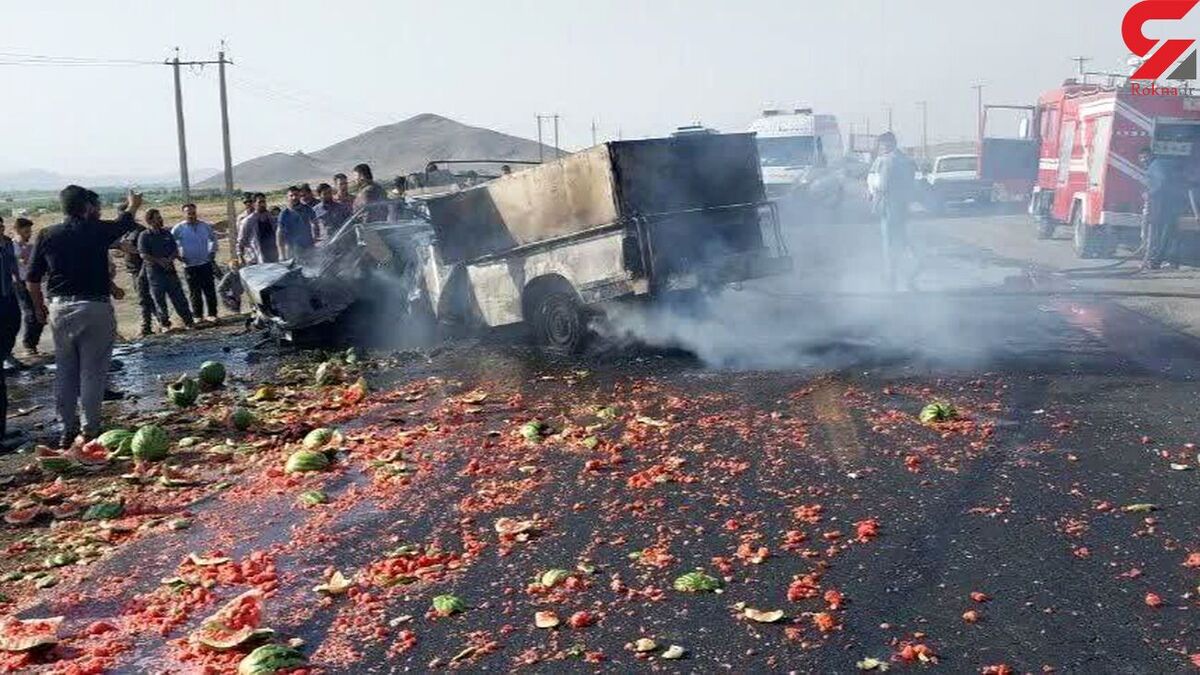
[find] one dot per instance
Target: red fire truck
(1087, 174)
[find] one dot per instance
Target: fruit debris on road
(486, 506)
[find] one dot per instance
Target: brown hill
(391, 150)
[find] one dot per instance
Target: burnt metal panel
(569, 195)
(597, 187)
(687, 172)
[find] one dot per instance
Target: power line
(20, 59)
(276, 95)
(312, 97)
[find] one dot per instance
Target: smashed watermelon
(23, 516)
(23, 635)
(322, 437)
(112, 439)
(235, 624)
(52, 461)
(183, 392)
(270, 659)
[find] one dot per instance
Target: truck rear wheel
(1089, 241)
(560, 323)
(1039, 208)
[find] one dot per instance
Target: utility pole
(184, 185)
(175, 63)
(924, 105)
(1081, 64)
(978, 110)
(230, 213)
(557, 152)
(541, 157)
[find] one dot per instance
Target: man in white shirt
(893, 175)
(198, 248)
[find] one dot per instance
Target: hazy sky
(311, 73)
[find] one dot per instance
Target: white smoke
(834, 310)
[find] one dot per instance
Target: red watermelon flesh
(233, 624)
(65, 510)
(22, 635)
(23, 516)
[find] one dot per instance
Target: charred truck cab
(548, 245)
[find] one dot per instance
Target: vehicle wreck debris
(547, 246)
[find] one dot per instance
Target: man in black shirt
(10, 322)
(72, 259)
(157, 246)
(137, 274)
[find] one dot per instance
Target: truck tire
(1088, 241)
(560, 321)
(1039, 208)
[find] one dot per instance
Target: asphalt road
(769, 438)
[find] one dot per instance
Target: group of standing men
(308, 218)
(63, 278)
(151, 252)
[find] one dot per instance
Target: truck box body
(596, 188)
(621, 218)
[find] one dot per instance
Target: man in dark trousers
(1165, 197)
(10, 324)
(72, 259)
(23, 249)
(198, 249)
(159, 251)
(137, 276)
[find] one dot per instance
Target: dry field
(128, 312)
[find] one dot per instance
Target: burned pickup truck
(550, 245)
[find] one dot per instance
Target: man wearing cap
(72, 259)
(198, 249)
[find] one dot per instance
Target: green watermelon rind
(304, 461)
(212, 373)
(241, 418)
(113, 439)
(151, 443)
(183, 392)
(271, 658)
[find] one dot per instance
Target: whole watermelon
(183, 392)
(212, 374)
(151, 443)
(303, 461)
(241, 418)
